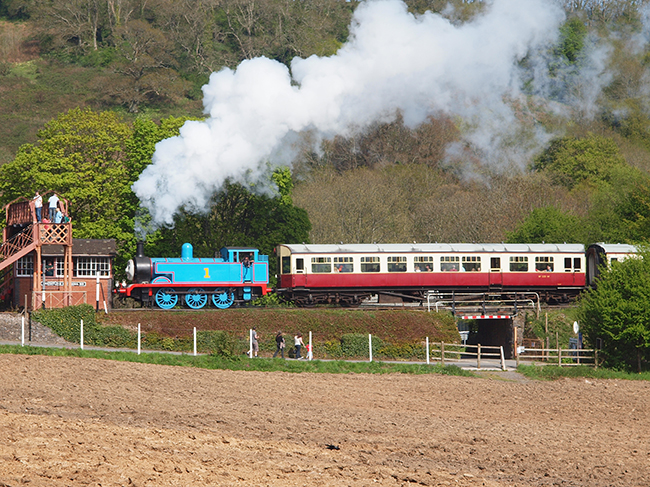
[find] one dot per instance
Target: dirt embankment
(69, 421)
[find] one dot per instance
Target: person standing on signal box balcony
(38, 206)
(54, 203)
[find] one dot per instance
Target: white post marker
(22, 332)
(310, 355)
(139, 337)
(370, 345)
(250, 343)
(97, 294)
(82, 334)
(427, 350)
(195, 341)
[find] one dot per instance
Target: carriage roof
(434, 247)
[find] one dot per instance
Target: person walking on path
(38, 206)
(279, 345)
(256, 345)
(297, 341)
(54, 203)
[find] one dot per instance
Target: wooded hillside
(147, 60)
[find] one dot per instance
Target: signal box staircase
(23, 234)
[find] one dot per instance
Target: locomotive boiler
(237, 275)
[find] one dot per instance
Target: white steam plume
(394, 62)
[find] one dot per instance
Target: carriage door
(300, 269)
(496, 279)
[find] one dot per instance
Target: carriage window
(449, 263)
(369, 264)
(321, 264)
(567, 264)
(300, 265)
(495, 264)
(471, 263)
(577, 263)
(286, 265)
(343, 264)
(423, 263)
(518, 264)
(544, 264)
(396, 264)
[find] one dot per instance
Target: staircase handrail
(16, 243)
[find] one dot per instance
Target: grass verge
(260, 364)
(551, 372)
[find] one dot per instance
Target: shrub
(66, 322)
(218, 343)
(356, 345)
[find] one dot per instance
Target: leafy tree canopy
(617, 312)
(550, 225)
(81, 155)
(572, 39)
(595, 159)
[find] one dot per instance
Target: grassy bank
(552, 372)
(336, 333)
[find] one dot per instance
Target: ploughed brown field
(70, 421)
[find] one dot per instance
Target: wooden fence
(455, 352)
(563, 357)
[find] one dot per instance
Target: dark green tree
(238, 217)
(572, 39)
(617, 312)
(549, 225)
(593, 159)
(82, 156)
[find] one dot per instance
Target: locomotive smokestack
(139, 252)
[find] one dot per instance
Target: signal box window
(396, 264)
(321, 265)
(472, 263)
(544, 264)
(25, 266)
(423, 263)
(343, 264)
(449, 263)
(518, 263)
(369, 264)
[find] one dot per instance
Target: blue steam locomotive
(240, 274)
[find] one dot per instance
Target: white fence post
(250, 343)
(427, 350)
(97, 294)
(139, 338)
(82, 334)
(22, 332)
(310, 355)
(370, 345)
(195, 341)
(503, 359)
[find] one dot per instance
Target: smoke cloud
(394, 62)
